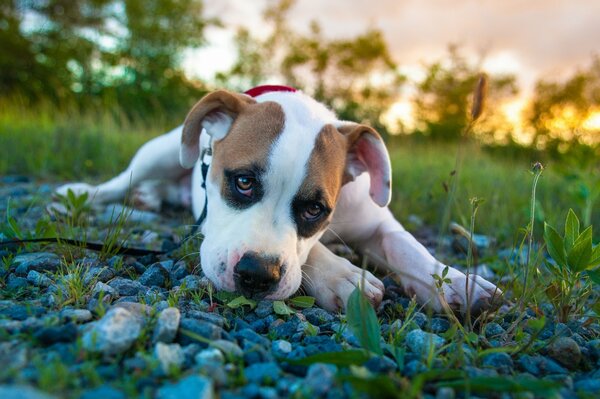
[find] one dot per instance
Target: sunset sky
(530, 38)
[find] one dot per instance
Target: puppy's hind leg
(158, 159)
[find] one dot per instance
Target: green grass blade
(362, 320)
(343, 358)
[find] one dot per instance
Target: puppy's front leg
(331, 279)
(405, 256)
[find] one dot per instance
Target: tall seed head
(479, 97)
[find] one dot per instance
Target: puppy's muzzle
(257, 275)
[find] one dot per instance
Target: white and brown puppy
(286, 178)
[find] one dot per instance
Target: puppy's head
(279, 161)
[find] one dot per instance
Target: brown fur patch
(326, 166)
(249, 140)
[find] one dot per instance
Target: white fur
(267, 227)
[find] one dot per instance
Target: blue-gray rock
(192, 387)
(318, 316)
(102, 274)
(445, 393)
(51, 335)
(281, 348)
(195, 283)
(38, 279)
(421, 342)
(262, 373)
(420, 319)
(492, 330)
(178, 271)
(114, 333)
(104, 289)
(562, 330)
(231, 350)
(15, 283)
(540, 365)
(126, 287)
(439, 325)
(320, 378)
(565, 351)
(251, 336)
(500, 361)
(213, 318)
(204, 329)
(474, 372)
(588, 385)
(264, 308)
(414, 367)
(169, 356)
(256, 354)
(21, 312)
(380, 364)
(155, 276)
(209, 356)
(38, 261)
(167, 325)
(22, 392)
(76, 315)
(104, 392)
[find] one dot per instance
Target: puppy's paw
(332, 290)
(479, 293)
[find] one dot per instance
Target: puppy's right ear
(215, 113)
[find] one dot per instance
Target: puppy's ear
(367, 153)
(215, 113)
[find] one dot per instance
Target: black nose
(255, 274)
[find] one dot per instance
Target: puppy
(284, 177)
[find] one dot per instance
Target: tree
(356, 77)
(442, 99)
(559, 110)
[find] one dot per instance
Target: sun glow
(593, 121)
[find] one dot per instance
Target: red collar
(258, 90)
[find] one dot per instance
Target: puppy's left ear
(215, 113)
(367, 153)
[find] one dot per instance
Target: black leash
(123, 250)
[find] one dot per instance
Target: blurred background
(84, 82)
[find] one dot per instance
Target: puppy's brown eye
(244, 185)
(313, 211)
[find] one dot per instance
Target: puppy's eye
(244, 185)
(313, 211)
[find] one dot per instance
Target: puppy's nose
(255, 274)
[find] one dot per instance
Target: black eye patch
(308, 227)
(232, 195)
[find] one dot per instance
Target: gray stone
(588, 385)
(114, 212)
(170, 356)
(76, 315)
(565, 351)
(155, 276)
(53, 334)
(192, 387)
(126, 287)
(16, 283)
(201, 328)
(500, 361)
(231, 350)
(38, 261)
(209, 356)
(195, 283)
(103, 289)
(102, 274)
(318, 316)
(38, 279)
(264, 308)
(263, 373)
(251, 336)
(540, 365)
(281, 348)
(421, 342)
(114, 333)
(445, 393)
(320, 378)
(167, 325)
(22, 392)
(21, 312)
(439, 325)
(492, 330)
(213, 318)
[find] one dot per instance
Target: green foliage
(280, 308)
(363, 322)
(241, 301)
(576, 265)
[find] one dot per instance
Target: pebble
(204, 329)
(499, 360)
(281, 348)
(439, 325)
(565, 351)
(167, 325)
(22, 392)
(263, 373)
(209, 356)
(264, 308)
(169, 356)
(588, 385)
(104, 392)
(102, 274)
(492, 330)
(51, 335)
(126, 287)
(192, 387)
(540, 365)
(114, 212)
(104, 289)
(320, 378)
(421, 342)
(38, 261)
(114, 333)
(38, 279)
(15, 283)
(195, 283)
(318, 316)
(155, 276)
(231, 350)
